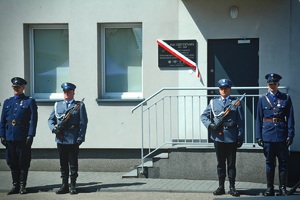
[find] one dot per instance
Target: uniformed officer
(275, 131)
(227, 137)
(18, 127)
(70, 138)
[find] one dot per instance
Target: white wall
(272, 21)
(111, 125)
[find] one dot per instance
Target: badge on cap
(68, 86)
(17, 81)
(225, 83)
(273, 78)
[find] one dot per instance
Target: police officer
(275, 131)
(70, 138)
(18, 127)
(227, 137)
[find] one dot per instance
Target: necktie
(67, 104)
(224, 101)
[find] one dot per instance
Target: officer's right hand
(289, 141)
(79, 142)
(56, 131)
(239, 143)
(29, 141)
(213, 126)
(260, 142)
(3, 141)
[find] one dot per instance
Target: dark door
(237, 60)
(234, 59)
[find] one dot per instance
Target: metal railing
(171, 117)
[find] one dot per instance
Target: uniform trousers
(273, 150)
(18, 155)
(68, 157)
(226, 152)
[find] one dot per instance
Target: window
(121, 63)
(49, 60)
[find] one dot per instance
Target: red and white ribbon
(180, 56)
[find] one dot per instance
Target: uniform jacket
(279, 131)
(22, 110)
(236, 116)
(76, 126)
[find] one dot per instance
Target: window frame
(117, 95)
(41, 96)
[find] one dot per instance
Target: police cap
(17, 81)
(225, 83)
(68, 86)
(273, 78)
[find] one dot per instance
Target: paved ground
(110, 185)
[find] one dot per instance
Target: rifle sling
(212, 110)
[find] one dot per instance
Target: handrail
(197, 88)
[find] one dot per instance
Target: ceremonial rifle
(218, 120)
(62, 126)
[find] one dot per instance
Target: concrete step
(147, 164)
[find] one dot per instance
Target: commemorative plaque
(188, 48)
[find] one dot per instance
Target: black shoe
(269, 192)
(14, 190)
(64, 189)
(73, 189)
(219, 191)
(233, 192)
(23, 190)
(282, 191)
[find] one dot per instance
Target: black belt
(230, 124)
(72, 126)
(274, 120)
(14, 122)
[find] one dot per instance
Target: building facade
(89, 42)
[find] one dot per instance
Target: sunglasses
(16, 87)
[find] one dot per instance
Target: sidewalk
(89, 182)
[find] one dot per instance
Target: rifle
(58, 129)
(219, 118)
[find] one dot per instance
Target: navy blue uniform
(274, 134)
(18, 121)
(17, 129)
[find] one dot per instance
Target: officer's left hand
(79, 142)
(260, 142)
(213, 126)
(29, 141)
(239, 143)
(289, 141)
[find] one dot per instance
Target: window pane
(123, 60)
(51, 59)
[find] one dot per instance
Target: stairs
(137, 173)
